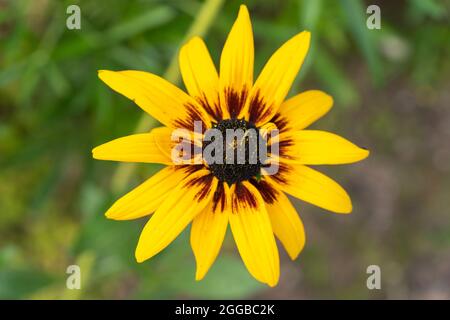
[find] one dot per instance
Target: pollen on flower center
(240, 138)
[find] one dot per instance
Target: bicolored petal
(286, 225)
(236, 64)
(208, 230)
(316, 147)
(183, 203)
(133, 148)
(252, 232)
(276, 78)
(312, 186)
(302, 110)
(147, 197)
(200, 77)
(158, 97)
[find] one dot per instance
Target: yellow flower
(213, 195)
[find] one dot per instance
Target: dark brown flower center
(240, 157)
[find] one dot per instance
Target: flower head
(250, 196)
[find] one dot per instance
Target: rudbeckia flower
(210, 196)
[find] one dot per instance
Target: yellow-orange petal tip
(366, 153)
(139, 257)
(199, 277)
(94, 153)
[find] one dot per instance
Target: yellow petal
(179, 208)
(208, 231)
(286, 225)
(252, 232)
(134, 148)
(147, 197)
(236, 64)
(200, 76)
(312, 186)
(316, 147)
(276, 78)
(159, 98)
(303, 109)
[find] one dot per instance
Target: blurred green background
(392, 95)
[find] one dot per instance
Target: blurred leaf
(10, 256)
(39, 59)
(227, 279)
(430, 8)
(92, 199)
(356, 21)
(11, 73)
(308, 17)
(150, 19)
(57, 80)
(429, 56)
(310, 13)
(45, 188)
(337, 83)
(14, 284)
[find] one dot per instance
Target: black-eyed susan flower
(213, 195)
